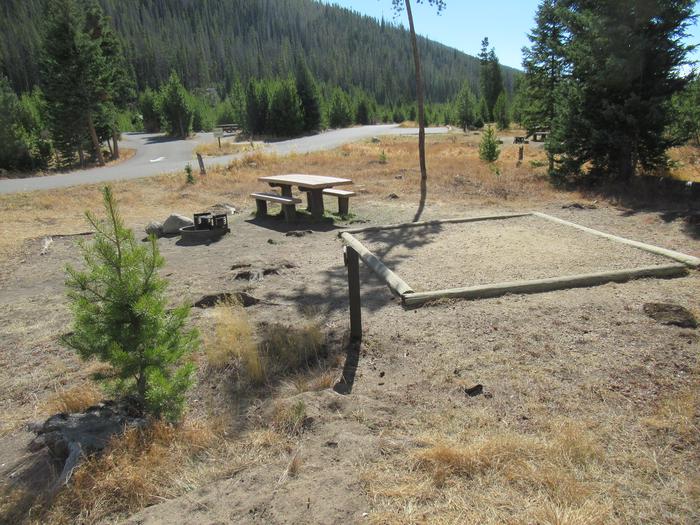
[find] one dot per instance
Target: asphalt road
(156, 154)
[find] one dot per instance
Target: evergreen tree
(121, 316)
(257, 107)
(149, 105)
(625, 59)
(286, 114)
(490, 79)
(483, 112)
(500, 112)
(545, 68)
(685, 123)
(310, 98)
(176, 108)
(488, 147)
(362, 111)
(466, 107)
(14, 149)
(339, 112)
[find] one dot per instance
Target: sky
(463, 24)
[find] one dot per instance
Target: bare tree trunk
(115, 141)
(421, 115)
(95, 141)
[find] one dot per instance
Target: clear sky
(464, 23)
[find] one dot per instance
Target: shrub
(188, 171)
(488, 148)
(176, 107)
(120, 317)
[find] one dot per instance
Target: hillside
(214, 42)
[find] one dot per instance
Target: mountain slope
(214, 42)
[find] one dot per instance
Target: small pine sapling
(120, 316)
(190, 177)
(488, 148)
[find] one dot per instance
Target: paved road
(156, 154)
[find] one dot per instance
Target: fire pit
(207, 227)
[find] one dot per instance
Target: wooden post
(521, 153)
(352, 260)
(262, 207)
(219, 142)
(343, 205)
(202, 171)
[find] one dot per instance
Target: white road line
(158, 159)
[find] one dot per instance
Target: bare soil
(588, 410)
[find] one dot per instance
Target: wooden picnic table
(312, 184)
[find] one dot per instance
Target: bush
(149, 104)
(120, 316)
(339, 112)
(176, 107)
(286, 117)
(488, 148)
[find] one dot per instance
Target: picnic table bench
(288, 204)
(314, 186)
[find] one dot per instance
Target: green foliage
(310, 98)
(466, 107)
(257, 107)
(490, 78)
(210, 42)
(613, 108)
(203, 113)
(176, 108)
(339, 111)
(286, 116)
(149, 105)
(189, 177)
(685, 123)
(483, 112)
(488, 147)
(120, 316)
(500, 112)
(383, 158)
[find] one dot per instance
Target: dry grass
(288, 418)
(287, 348)
(228, 147)
(456, 174)
(687, 159)
(74, 399)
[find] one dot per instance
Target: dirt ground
(587, 412)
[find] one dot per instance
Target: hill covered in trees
(213, 43)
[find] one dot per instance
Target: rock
(69, 437)
(298, 233)
(474, 391)
(176, 221)
(48, 241)
(671, 314)
(272, 241)
(223, 207)
(249, 275)
(375, 140)
(392, 196)
(580, 206)
(398, 177)
(155, 228)
(243, 298)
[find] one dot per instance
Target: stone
(172, 224)
(223, 207)
(392, 196)
(155, 228)
(579, 206)
(474, 391)
(375, 140)
(298, 233)
(671, 314)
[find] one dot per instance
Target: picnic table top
(306, 181)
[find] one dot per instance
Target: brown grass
(74, 399)
(288, 418)
(228, 147)
(455, 175)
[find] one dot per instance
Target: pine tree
(176, 107)
(500, 111)
(490, 78)
(14, 149)
(339, 112)
(466, 107)
(121, 316)
(362, 111)
(286, 118)
(149, 105)
(488, 147)
(624, 72)
(545, 68)
(686, 114)
(310, 98)
(482, 113)
(257, 107)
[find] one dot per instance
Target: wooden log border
(410, 298)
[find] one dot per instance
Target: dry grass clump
(282, 349)
(678, 415)
(312, 381)
(227, 148)
(288, 418)
(74, 399)
(138, 469)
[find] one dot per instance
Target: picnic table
(313, 185)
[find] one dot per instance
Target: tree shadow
(277, 223)
(28, 488)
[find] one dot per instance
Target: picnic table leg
(352, 260)
(317, 203)
(286, 190)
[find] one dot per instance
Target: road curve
(156, 154)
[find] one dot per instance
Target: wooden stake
(202, 171)
(352, 260)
